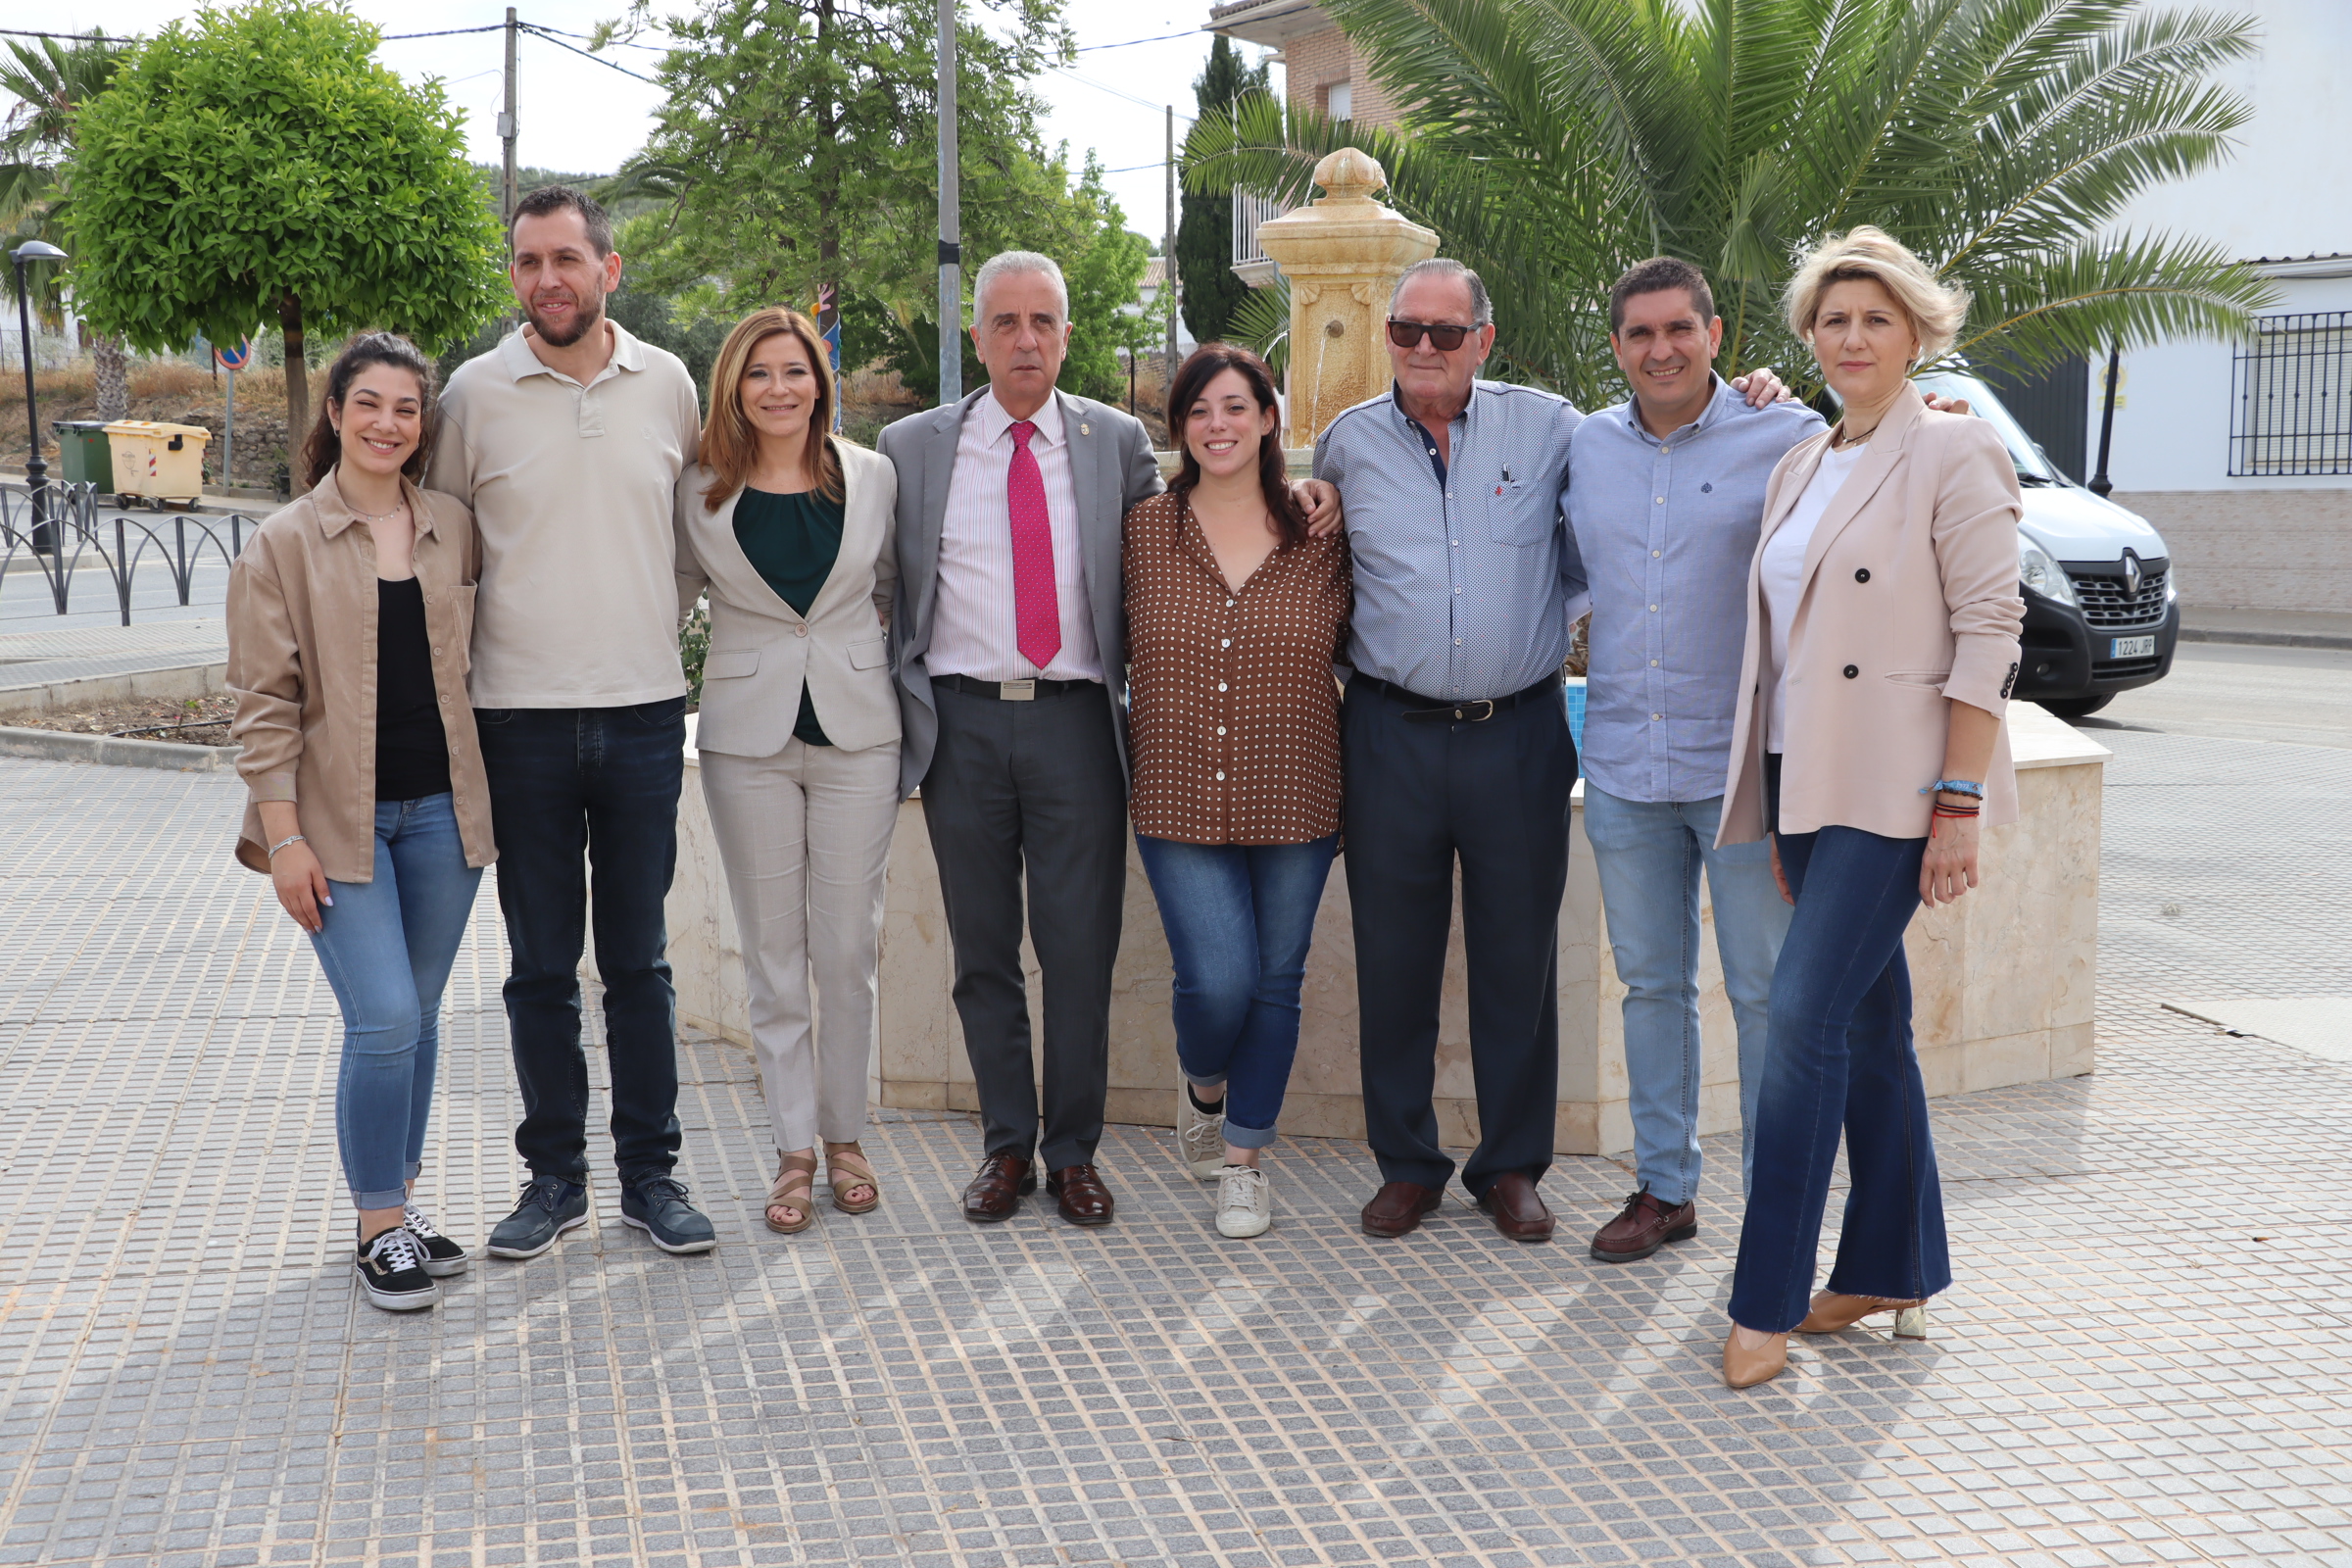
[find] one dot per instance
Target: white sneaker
(1244, 1205)
(1200, 1135)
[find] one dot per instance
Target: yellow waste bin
(158, 463)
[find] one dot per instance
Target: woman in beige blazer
(788, 528)
(1882, 646)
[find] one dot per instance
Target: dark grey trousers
(1032, 788)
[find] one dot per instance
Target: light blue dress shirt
(1466, 576)
(1665, 529)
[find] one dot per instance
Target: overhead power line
(1129, 43)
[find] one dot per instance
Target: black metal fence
(2291, 396)
(61, 542)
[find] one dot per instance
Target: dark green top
(793, 541)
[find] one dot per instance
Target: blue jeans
(600, 786)
(387, 946)
(1648, 854)
(1240, 918)
(1840, 1054)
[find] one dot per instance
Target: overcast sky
(578, 114)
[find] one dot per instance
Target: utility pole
(951, 219)
(1168, 250)
(507, 193)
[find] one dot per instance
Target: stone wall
(2255, 549)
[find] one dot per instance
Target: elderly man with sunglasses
(1455, 743)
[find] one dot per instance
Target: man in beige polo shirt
(567, 440)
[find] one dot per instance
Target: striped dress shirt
(1666, 527)
(975, 627)
(1466, 579)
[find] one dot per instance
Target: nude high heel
(1744, 1368)
(1833, 1312)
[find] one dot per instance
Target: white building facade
(2241, 453)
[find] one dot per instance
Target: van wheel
(2077, 706)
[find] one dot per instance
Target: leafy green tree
(1555, 142)
(1103, 266)
(259, 164)
(1204, 228)
(795, 149)
(51, 81)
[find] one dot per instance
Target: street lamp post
(36, 473)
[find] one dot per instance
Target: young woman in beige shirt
(349, 616)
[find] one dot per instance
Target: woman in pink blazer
(1882, 646)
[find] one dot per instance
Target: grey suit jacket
(761, 651)
(1112, 469)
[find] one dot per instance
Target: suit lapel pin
(1085, 428)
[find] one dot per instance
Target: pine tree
(1205, 230)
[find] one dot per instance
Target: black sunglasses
(1445, 338)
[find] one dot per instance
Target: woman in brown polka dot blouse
(1235, 615)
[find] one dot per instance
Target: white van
(2102, 607)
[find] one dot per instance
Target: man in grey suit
(1010, 647)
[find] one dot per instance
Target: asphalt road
(2224, 840)
(2223, 691)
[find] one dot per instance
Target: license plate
(2132, 648)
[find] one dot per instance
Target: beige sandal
(795, 1187)
(852, 1160)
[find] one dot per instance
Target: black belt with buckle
(1014, 691)
(1422, 710)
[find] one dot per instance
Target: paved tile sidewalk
(2145, 1359)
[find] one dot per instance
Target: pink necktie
(1036, 604)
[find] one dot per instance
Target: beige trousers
(805, 836)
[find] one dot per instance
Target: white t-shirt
(1782, 576)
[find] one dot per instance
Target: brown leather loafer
(1643, 1227)
(1398, 1207)
(995, 1192)
(1516, 1210)
(1085, 1200)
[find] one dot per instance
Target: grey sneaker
(442, 1257)
(1199, 1134)
(656, 1206)
(1244, 1205)
(549, 1207)
(391, 1272)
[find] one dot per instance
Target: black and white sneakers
(442, 1257)
(392, 1272)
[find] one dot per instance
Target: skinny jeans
(387, 945)
(1240, 918)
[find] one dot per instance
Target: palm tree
(1555, 142)
(51, 83)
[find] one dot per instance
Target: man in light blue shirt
(1666, 497)
(1455, 743)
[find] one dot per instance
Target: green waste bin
(84, 455)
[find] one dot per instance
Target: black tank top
(412, 748)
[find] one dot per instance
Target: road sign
(239, 358)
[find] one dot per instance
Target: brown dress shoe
(1643, 1226)
(1516, 1210)
(1085, 1200)
(1398, 1207)
(995, 1192)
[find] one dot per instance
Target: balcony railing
(1249, 210)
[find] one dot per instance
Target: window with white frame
(2291, 396)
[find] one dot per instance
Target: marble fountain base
(2003, 980)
